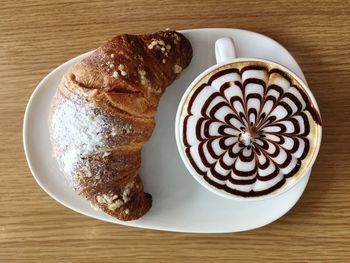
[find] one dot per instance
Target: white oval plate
(179, 202)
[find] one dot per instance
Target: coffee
(249, 128)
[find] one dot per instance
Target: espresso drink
(249, 128)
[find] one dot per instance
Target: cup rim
(199, 178)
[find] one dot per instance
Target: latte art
(249, 128)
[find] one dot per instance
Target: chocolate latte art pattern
(249, 128)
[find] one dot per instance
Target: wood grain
(37, 36)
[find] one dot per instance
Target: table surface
(37, 36)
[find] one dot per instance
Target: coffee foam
(249, 128)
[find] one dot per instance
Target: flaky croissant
(103, 113)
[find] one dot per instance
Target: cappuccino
(249, 128)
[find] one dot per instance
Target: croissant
(103, 112)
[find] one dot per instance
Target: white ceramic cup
(225, 54)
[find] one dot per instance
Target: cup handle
(224, 49)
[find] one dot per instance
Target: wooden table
(37, 36)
